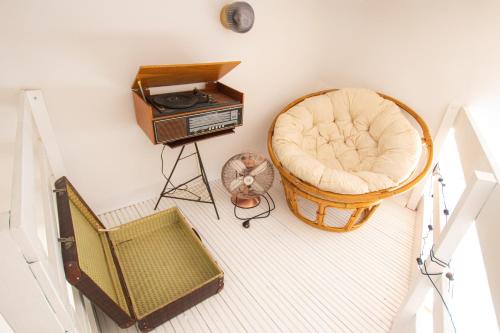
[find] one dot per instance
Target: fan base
(245, 203)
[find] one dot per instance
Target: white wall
(84, 57)
(426, 53)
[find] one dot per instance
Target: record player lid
(169, 75)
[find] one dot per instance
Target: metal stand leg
(169, 192)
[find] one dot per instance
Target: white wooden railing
(37, 297)
(479, 202)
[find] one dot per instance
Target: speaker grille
(170, 129)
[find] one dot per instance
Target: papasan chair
(348, 149)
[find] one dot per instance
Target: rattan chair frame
(363, 206)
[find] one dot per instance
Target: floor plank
(282, 275)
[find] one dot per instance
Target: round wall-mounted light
(238, 16)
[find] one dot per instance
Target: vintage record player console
(180, 117)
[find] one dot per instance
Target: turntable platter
(180, 100)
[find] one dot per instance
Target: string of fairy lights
(441, 263)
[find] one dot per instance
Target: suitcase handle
(197, 234)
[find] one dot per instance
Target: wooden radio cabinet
(220, 111)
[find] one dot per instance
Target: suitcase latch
(58, 191)
(67, 242)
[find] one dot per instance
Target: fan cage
(268, 176)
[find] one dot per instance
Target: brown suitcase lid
(97, 284)
(168, 75)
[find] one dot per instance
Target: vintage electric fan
(248, 177)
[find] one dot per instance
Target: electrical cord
(424, 240)
(261, 215)
(446, 212)
(440, 296)
(436, 260)
(162, 163)
(437, 171)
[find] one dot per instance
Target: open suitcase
(146, 271)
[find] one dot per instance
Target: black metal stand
(270, 207)
(169, 192)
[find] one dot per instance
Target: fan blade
(235, 184)
(259, 169)
(257, 188)
(238, 166)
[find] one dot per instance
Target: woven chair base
(362, 211)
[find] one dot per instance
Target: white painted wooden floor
(284, 276)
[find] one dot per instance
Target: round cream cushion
(349, 141)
